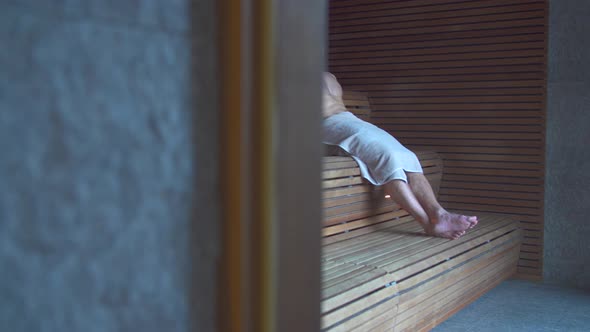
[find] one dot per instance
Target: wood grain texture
(350, 202)
(380, 273)
(466, 79)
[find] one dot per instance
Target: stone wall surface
(100, 105)
(567, 194)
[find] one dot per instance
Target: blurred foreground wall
(100, 103)
(567, 199)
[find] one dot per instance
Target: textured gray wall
(567, 197)
(100, 225)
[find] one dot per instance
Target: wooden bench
(379, 272)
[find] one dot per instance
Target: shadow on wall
(206, 219)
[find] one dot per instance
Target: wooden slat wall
(466, 79)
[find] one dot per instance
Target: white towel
(380, 156)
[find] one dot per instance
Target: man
(384, 161)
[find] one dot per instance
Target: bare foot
(453, 235)
(450, 225)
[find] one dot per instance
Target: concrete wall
(567, 198)
(100, 225)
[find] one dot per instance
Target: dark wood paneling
(466, 79)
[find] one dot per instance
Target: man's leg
(441, 222)
(401, 193)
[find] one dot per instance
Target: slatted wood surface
(358, 103)
(426, 279)
(350, 203)
(466, 79)
(380, 272)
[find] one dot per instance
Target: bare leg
(441, 222)
(401, 193)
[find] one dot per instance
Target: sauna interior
(464, 84)
(161, 165)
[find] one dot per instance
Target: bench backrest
(351, 205)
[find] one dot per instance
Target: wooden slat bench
(381, 273)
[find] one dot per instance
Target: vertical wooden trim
(271, 163)
(263, 117)
(231, 310)
(300, 60)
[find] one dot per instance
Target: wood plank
(346, 50)
(476, 292)
(490, 200)
(437, 250)
(370, 227)
(360, 305)
(457, 106)
(338, 295)
(421, 246)
(337, 159)
(353, 313)
(405, 272)
(344, 271)
(479, 155)
(344, 200)
(345, 10)
(353, 211)
(440, 310)
(455, 92)
(481, 178)
(383, 319)
(436, 15)
(491, 208)
(424, 74)
(441, 65)
(454, 280)
(394, 230)
(454, 294)
(397, 244)
(341, 172)
(487, 186)
(469, 192)
(459, 99)
(342, 182)
(327, 166)
(459, 37)
(457, 280)
(492, 164)
(397, 30)
(343, 191)
(451, 56)
(356, 275)
(481, 143)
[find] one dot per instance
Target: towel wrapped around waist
(380, 156)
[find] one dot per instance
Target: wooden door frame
(272, 54)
